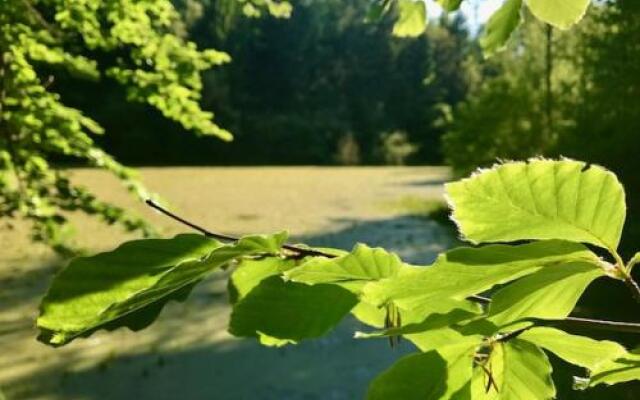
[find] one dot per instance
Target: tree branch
(301, 251)
(574, 322)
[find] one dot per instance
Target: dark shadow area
(335, 367)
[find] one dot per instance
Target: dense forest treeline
(326, 87)
(320, 87)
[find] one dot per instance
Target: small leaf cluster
(537, 217)
(39, 40)
(411, 17)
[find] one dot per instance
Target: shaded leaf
(138, 276)
(550, 293)
(289, 310)
(561, 14)
(500, 27)
(540, 199)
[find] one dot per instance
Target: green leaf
(578, 350)
(465, 271)
(520, 370)
(540, 199)
(362, 264)
(377, 10)
(412, 18)
(561, 14)
(622, 369)
(250, 272)
(289, 310)
(433, 322)
(434, 375)
(450, 5)
(635, 260)
(500, 27)
(105, 289)
(550, 293)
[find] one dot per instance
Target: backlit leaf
(500, 26)
(519, 370)
(412, 17)
(578, 350)
(550, 293)
(561, 14)
(362, 264)
(465, 271)
(540, 199)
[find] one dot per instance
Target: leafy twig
(219, 236)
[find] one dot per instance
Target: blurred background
(343, 133)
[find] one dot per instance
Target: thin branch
(574, 322)
(298, 250)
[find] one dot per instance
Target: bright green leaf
(540, 199)
(466, 271)
(561, 14)
(622, 369)
(106, 288)
(434, 375)
(578, 350)
(550, 293)
(450, 5)
(250, 272)
(500, 26)
(412, 18)
(362, 264)
(520, 370)
(289, 310)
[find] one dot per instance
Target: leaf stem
(226, 238)
(625, 273)
(576, 322)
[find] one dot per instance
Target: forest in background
(325, 87)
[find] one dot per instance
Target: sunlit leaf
(500, 26)
(450, 5)
(550, 293)
(578, 350)
(250, 272)
(561, 14)
(518, 371)
(362, 264)
(540, 199)
(622, 369)
(465, 271)
(412, 17)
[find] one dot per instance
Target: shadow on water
(208, 363)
